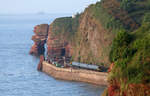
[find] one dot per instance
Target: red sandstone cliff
(93, 43)
(92, 40)
(40, 37)
(89, 43)
(57, 46)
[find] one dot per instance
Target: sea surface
(18, 74)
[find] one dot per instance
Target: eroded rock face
(40, 37)
(90, 43)
(94, 41)
(57, 47)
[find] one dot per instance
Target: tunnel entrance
(63, 52)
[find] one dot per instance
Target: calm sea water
(18, 74)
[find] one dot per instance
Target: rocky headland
(110, 33)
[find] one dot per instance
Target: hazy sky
(48, 6)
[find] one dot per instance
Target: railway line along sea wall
(81, 75)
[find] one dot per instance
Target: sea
(18, 69)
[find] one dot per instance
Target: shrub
(146, 18)
(132, 56)
(120, 46)
(127, 4)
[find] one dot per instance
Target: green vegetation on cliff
(116, 14)
(131, 55)
(118, 29)
(66, 26)
(113, 15)
(100, 14)
(130, 51)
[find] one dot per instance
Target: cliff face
(110, 31)
(92, 41)
(57, 46)
(59, 40)
(101, 37)
(83, 38)
(40, 37)
(88, 36)
(129, 72)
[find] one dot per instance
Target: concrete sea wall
(81, 75)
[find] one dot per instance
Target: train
(89, 66)
(60, 62)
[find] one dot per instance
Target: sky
(47, 6)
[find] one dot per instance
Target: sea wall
(81, 75)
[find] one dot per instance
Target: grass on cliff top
(66, 26)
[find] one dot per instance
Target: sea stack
(40, 37)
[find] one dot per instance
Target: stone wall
(81, 75)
